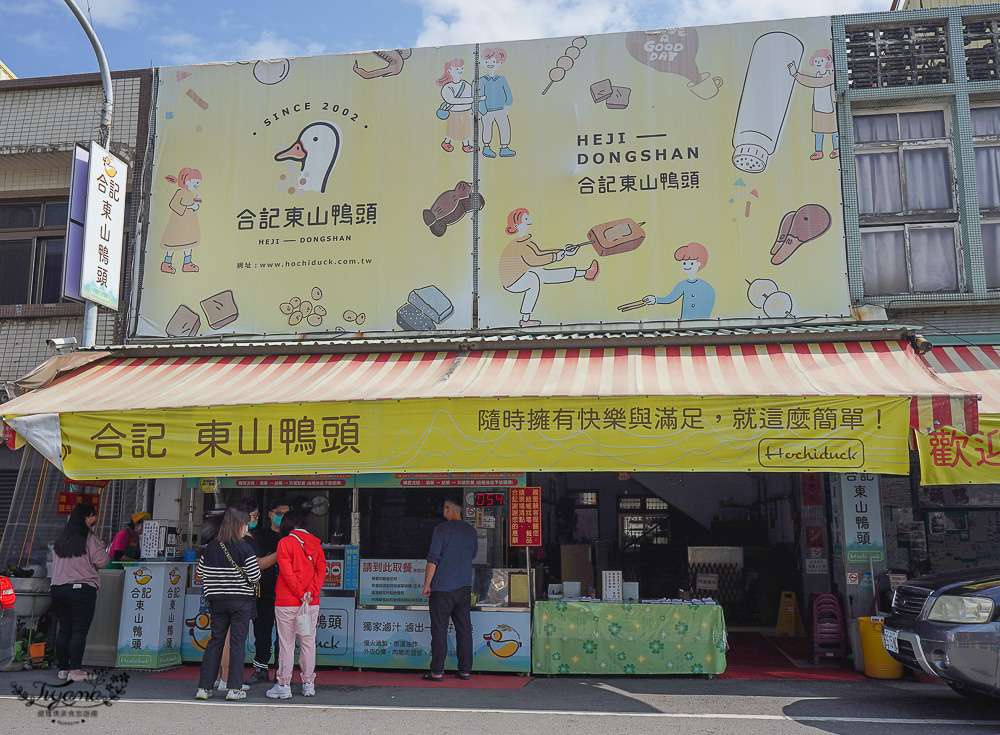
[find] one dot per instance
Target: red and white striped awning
(975, 369)
(830, 369)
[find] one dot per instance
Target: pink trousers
(284, 621)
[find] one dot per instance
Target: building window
(31, 250)
(986, 139)
(907, 203)
(900, 56)
(910, 259)
(642, 520)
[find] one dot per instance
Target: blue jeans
(74, 609)
(456, 605)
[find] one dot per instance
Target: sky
(43, 38)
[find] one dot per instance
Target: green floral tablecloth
(629, 638)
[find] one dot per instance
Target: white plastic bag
(303, 621)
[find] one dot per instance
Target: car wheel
(973, 694)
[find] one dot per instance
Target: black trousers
(263, 634)
(232, 616)
(455, 605)
(74, 609)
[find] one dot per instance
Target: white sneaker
(63, 673)
(280, 692)
(221, 685)
(308, 690)
(203, 694)
(237, 694)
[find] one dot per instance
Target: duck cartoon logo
(316, 150)
(142, 575)
(109, 167)
(503, 641)
(174, 576)
(200, 629)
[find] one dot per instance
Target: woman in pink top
(77, 555)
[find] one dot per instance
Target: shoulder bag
(303, 621)
(255, 586)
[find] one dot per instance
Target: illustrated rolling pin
(612, 238)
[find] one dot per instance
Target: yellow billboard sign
(949, 457)
(688, 174)
(648, 177)
(627, 434)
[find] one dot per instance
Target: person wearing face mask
(265, 606)
(301, 571)
(231, 576)
(266, 536)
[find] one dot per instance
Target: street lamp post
(89, 307)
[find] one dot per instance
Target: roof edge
(514, 342)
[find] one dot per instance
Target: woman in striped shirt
(231, 577)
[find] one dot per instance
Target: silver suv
(946, 625)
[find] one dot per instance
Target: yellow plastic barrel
(878, 663)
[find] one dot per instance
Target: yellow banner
(631, 434)
(949, 457)
(651, 177)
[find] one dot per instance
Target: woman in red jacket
(301, 571)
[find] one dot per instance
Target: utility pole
(89, 307)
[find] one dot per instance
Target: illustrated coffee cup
(707, 86)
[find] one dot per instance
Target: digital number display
(490, 500)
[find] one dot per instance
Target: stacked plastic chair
(828, 628)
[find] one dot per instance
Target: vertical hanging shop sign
(104, 226)
(862, 518)
(525, 516)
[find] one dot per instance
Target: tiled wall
(23, 340)
(46, 120)
(23, 181)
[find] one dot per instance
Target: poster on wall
(392, 582)
(650, 177)
(526, 516)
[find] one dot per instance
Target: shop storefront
(330, 350)
(372, 444)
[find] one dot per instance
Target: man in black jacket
(263, 627)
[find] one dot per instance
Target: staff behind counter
(125, 546)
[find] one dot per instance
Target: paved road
(582, 706)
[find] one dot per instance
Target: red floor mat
(819, 673)
(752, 655)
(796, 648)
(378, 679)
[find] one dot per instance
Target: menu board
(392, 582)
(526, 516)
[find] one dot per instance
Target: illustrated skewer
(631, 305)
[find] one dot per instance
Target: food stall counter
(399, 637)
